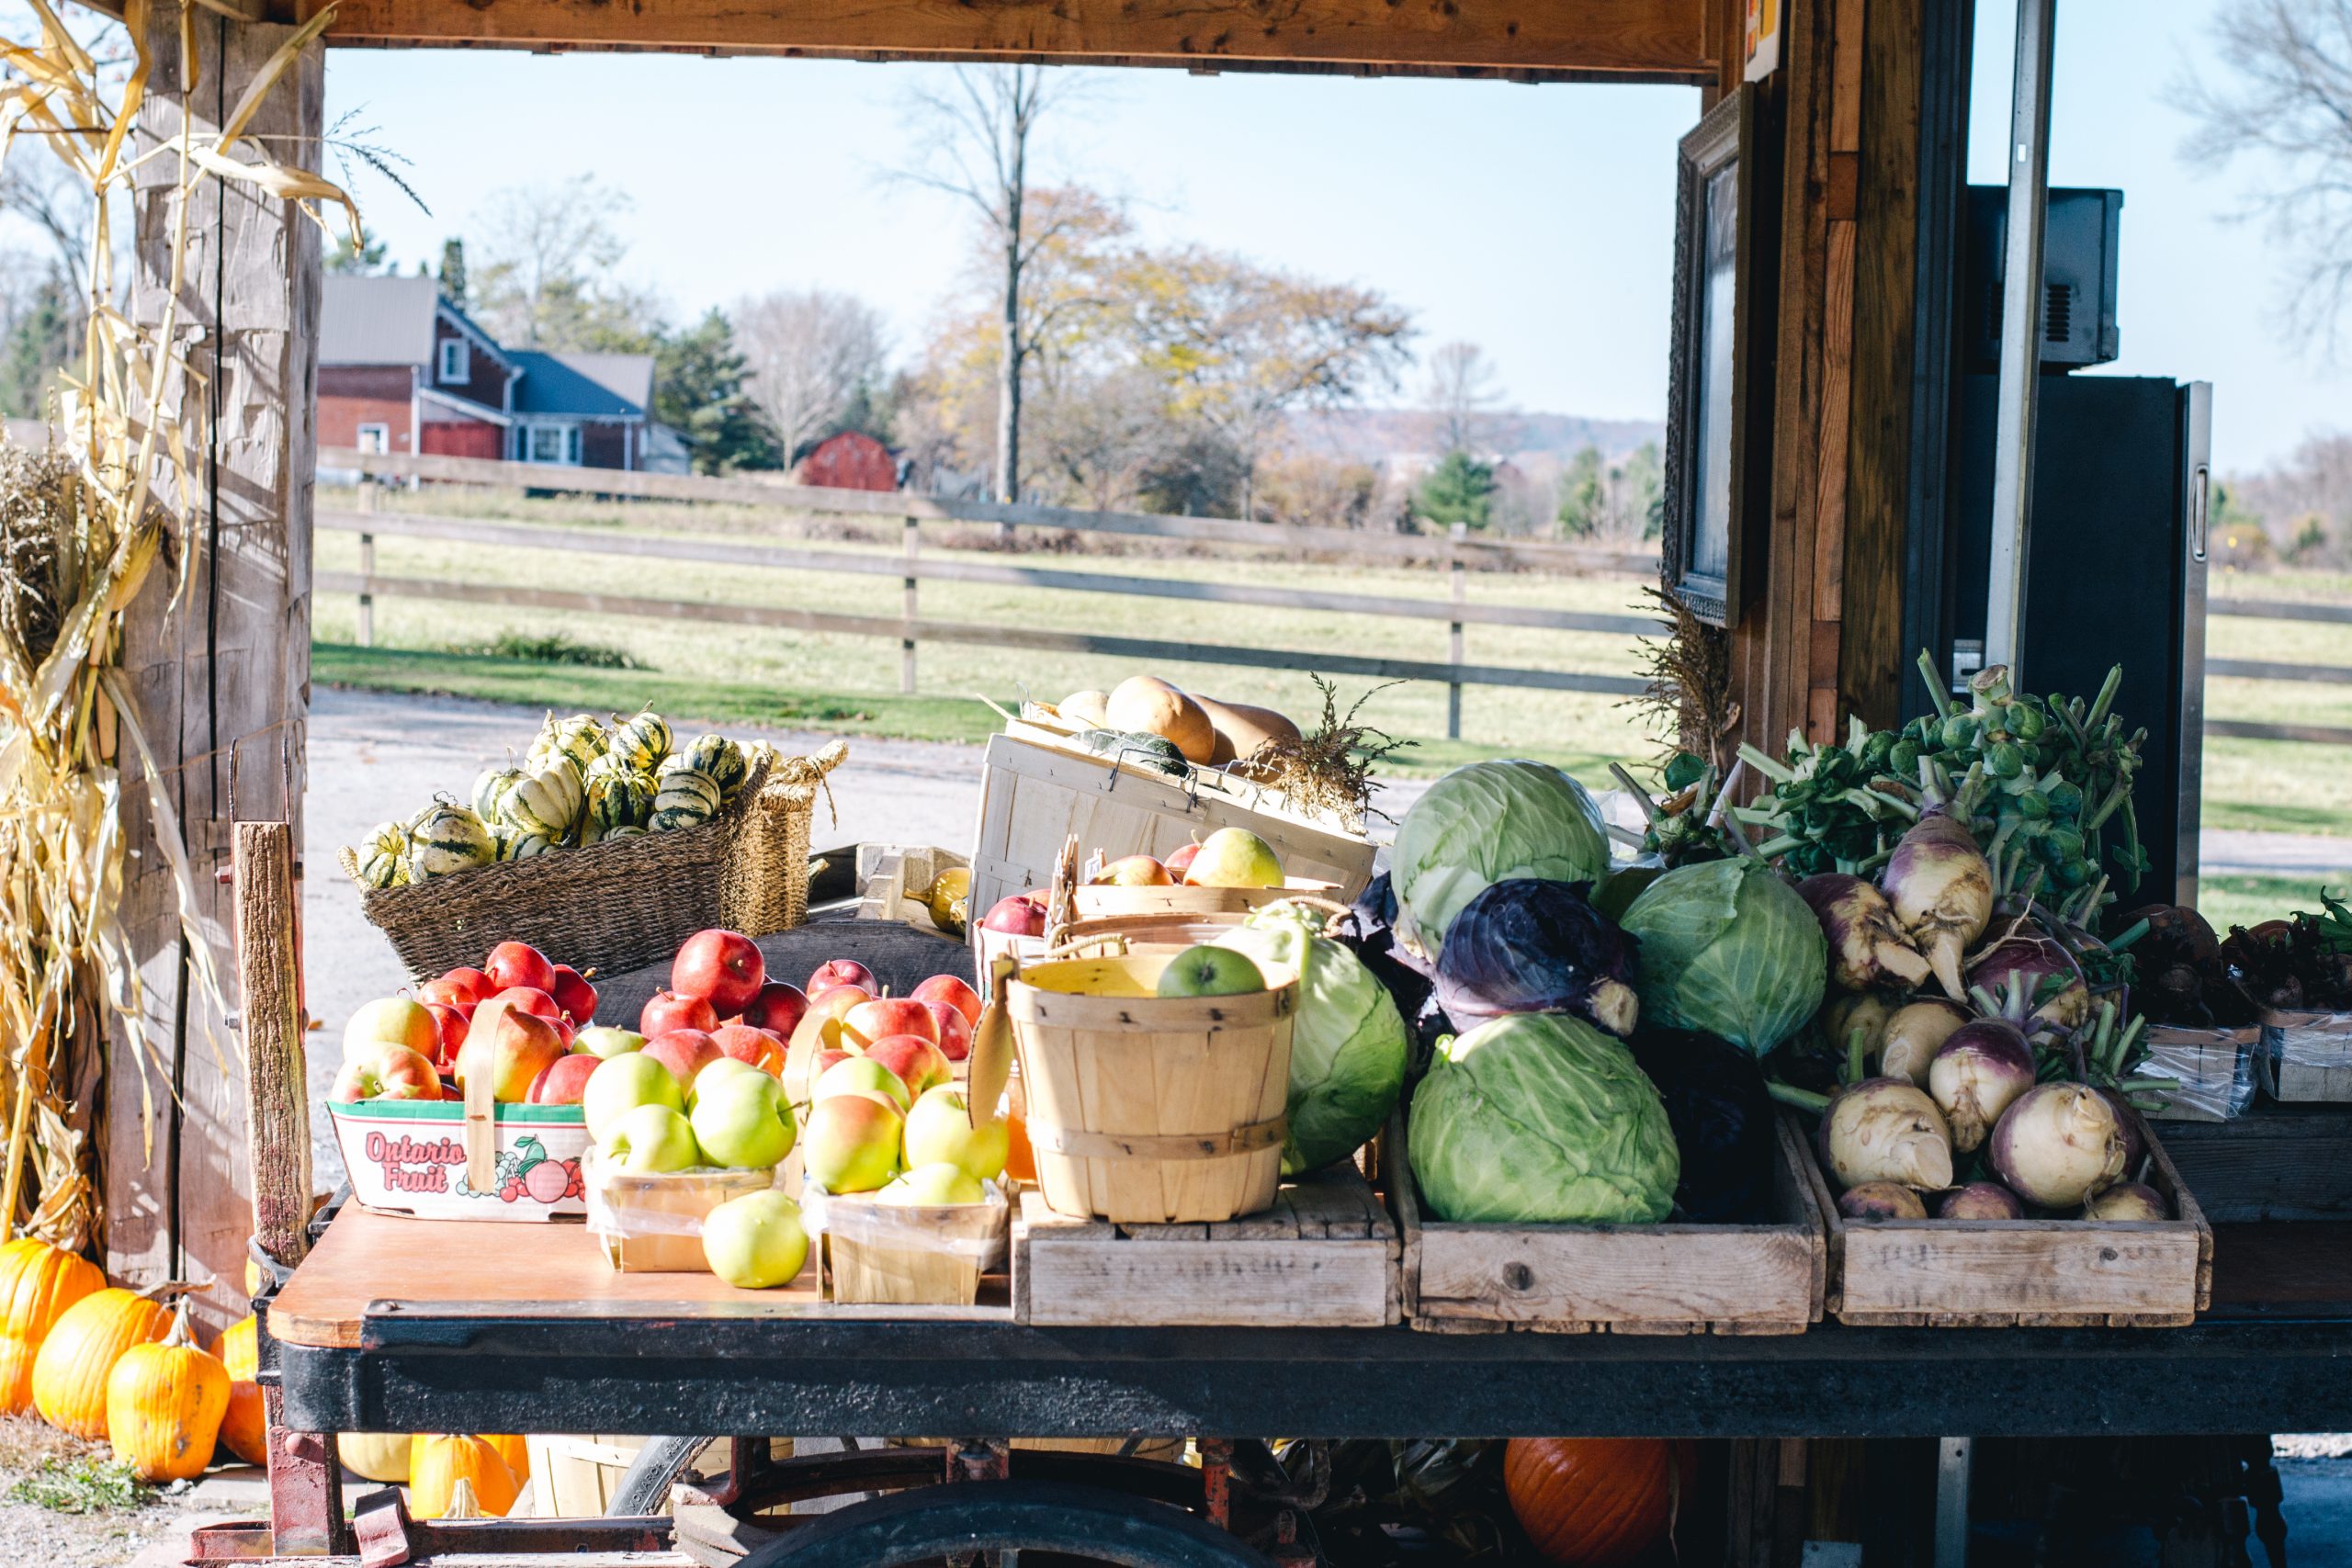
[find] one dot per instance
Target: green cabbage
(1348, 1041)
(1728, 948)
(1540, 1118)
(1489, 822)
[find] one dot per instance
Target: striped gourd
(618, 796)
(490, 786)
(687, 799)
(641, 742)
(383, 855)
(449, 837)
(523, 846)
(622, 833)
(579, 740)
(544, 802)
(719, 757)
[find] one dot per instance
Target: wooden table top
(459, 1269)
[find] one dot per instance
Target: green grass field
(732, 674)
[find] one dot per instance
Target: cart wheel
(645, 1486)
(1007, 1516)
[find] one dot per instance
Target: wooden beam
(1535, 39)
(269, 987)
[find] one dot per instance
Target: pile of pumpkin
(582, 782)
(108, 1364)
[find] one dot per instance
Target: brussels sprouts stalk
(1941, 890)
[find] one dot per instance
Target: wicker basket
(629, 902)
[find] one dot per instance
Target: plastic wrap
(651, 1222)
(908, 1254)
(2216, 1068)
(2307, 1056)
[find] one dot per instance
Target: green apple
(715, 1072)
(651, 1139)
(1234, 857)
(606, 1041)
(858, 1076)
(755, 1241)
(940, 1132)
(851, 1143)
(1207, 971)
(933, 1186)
(620, 1084)
(741, 1120)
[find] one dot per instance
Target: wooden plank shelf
(1325, 1255)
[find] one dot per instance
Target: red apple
(685, 1052)
(395, 1072)
(668, 1010)
(723, 967)
(1017, 914)
(778, 1008)
(954, 1033)
(826, 1059)
(918, 1061)
(530, 999)
(869, 1022)
(840, 971)
(453, 994)
(575, 996)
(835, 1004)
(514, 1047)
(477, 986)
(1181, 861)
(951, 989)
(512, 963)
(564, 1079)
(451, 1025)
(762, 1048)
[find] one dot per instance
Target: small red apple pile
(525, 1010)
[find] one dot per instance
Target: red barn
(850, 460)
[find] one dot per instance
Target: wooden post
(1461, 585)
(269, 990)
(911, 540)
(225, 674)
(367, 502)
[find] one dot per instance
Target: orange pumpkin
(244, 1430)
(1596, 1502)
(512, 1449)
(438, 1460)
(164, 1402)
(37, 1282)
(88, 1339)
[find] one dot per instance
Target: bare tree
(808, 351)
(979, 133)
(1463, 396)
(545, 279)
(45, 194)
(2289, 96)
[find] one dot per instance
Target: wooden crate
(1035, 793)
(2307, 1056)
(2022, 1274)
(1662, 1279)
(1325, 1255)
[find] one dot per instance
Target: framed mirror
(1721, 347)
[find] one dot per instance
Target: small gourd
(165, 1403)
(439, 1461)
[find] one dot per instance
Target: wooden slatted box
(2022, 1274)
(1662, 1278)
(1325, 1255)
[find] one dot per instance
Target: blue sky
(1536, 221)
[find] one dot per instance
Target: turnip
(1881, 1201)
(2043, 972)
(1914, 1034)
(1940, 887)
(1867, 948)
(1980, 1200)
(1886, 1130)
(2057, 1143)
(2128, 1202)
(1976, 1074)
(1866, 1011)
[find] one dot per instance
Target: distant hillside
(1373, 434)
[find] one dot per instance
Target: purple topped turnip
(1881, 1201)
(2128, 1202)
(1979, 1071)
(1886, 1130)
(2043, 972)
(1914, 1034)
(2057, 1143)
(1940, 886)
(1980, 1200)
(1847, 1012)
(1867, 948)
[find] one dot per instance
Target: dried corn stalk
(82, 527)
(1690, 683)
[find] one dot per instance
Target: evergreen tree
(1584, 495)
(45, 338)
(1459, 490)
(698, 391)
(453, 271)
(367, 258)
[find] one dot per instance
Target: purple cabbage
(1529, 945)
(1722, 1120)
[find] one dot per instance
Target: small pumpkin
(244, 1429)
(437, 1462)
(37, 1282)
(377, 1456)
(512, 1449)
(1596, 1502)
(69, 1373)
(164, 1402)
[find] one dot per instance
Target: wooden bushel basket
(1149, 1110)
(1103, 900)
